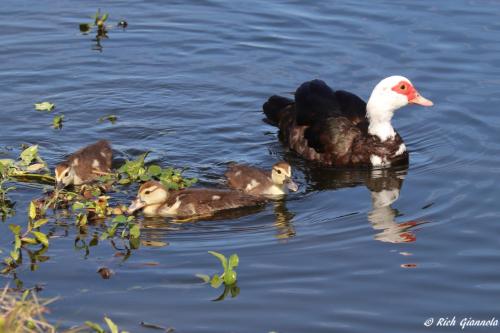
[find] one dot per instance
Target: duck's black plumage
(329, 127)
(316, 101)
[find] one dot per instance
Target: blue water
(351, 251)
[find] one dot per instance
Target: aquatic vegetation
(129, 229)
(99, 22)
(24, 312)
(136, 171)
(87, 206)
(111, 118)
(57, 122)
(101, 28)
(229, 276)
(232, 290)
(31, 236)
(28, 167)
(113, 328)
(6, 206)
(45, 106)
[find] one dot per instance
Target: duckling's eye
(278, 171)
(66, 174)
(147, 192)
(402, 87)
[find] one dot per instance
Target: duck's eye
(278, 171)
(66, 174)
(402, 87)
(147, 192)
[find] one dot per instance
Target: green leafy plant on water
(113, 328)
(129, 230)
(32, 236)
(99, 208)
(88, 205)
(111, 118)
(6, 206)
(57, 122)
(25, 312)
(137, 171)
(229, 276)
(45, 106)
(29, 167)
(99, 22)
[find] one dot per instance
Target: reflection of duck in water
(384, 186)
(383, 216)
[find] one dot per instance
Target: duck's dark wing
(316, 101)
(352, 107)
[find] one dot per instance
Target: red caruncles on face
(405, 88)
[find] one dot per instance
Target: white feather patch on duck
(378, 161)
(253, 184)
(401, 150)
(167, 211)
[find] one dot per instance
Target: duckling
(258, 182)
(156, 200)
(85, 165)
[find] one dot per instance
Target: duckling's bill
(135, 205)
(292, 186)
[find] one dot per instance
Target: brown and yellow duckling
(259, 182)
(85, 165)
(156, 200)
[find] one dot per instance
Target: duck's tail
(275, 107)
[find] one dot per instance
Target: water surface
(352, 251)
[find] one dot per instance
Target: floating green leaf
(14, 254)
(204, 277)
(135, 231)
(57, 122)
(40, 222)
(96, 327)
(16, 229)
(44, 106)
(234, 260)
(230, 277)
(134, 169)
(216, 281)
(29, 240)
(112, 326)
(32, 210)
(29, 155)
(221, 257)
(111, 118)
(41, 237)
(154, 170)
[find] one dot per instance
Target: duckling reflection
(384, 186)
(283, 220)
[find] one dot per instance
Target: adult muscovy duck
(337, 128)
